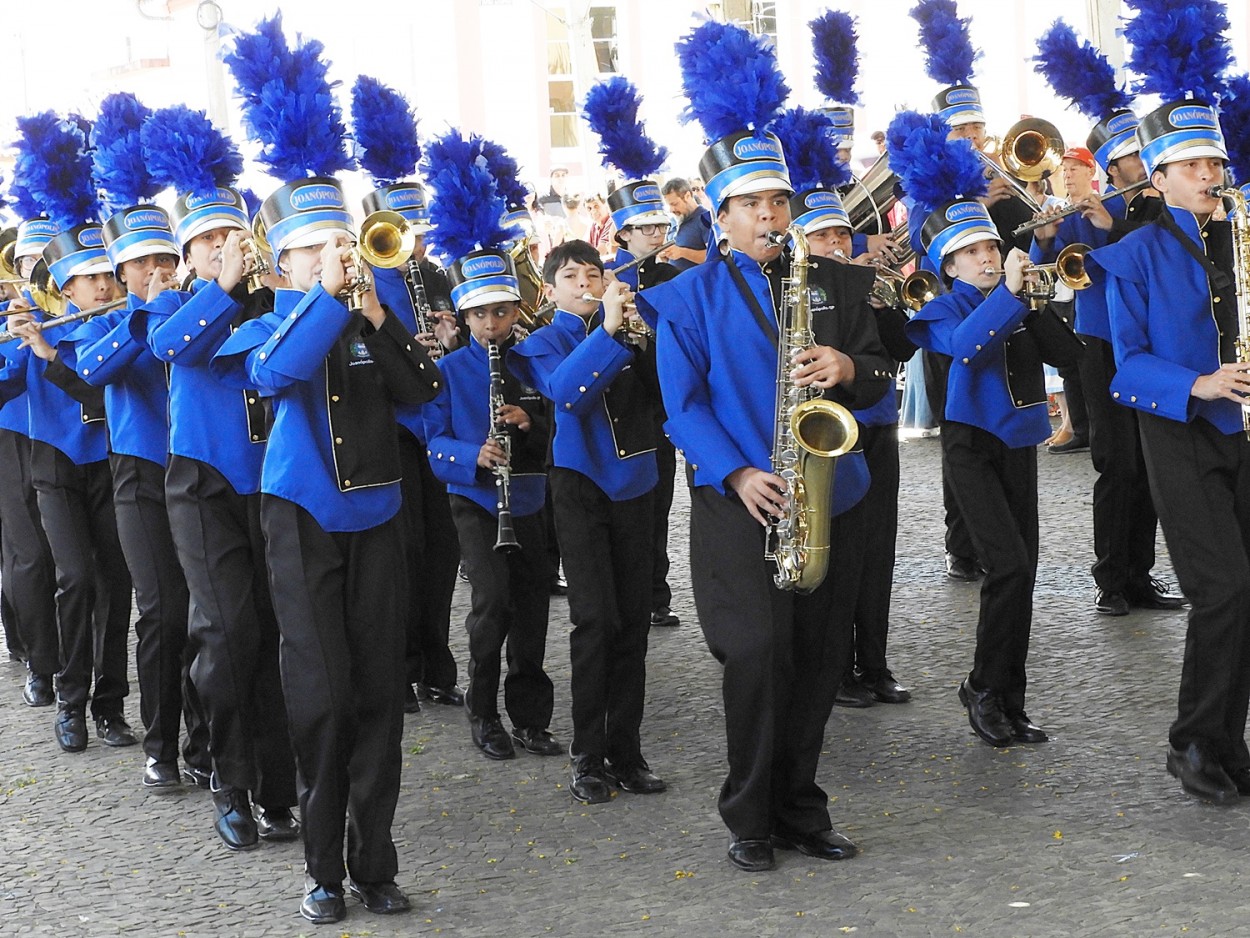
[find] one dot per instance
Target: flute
(9, 336)
(1036, 223)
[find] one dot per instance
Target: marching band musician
(510, 582)
(29, 572)
(718, 370)
(386, 132)
(212, 486)
(330, 483)
(995, 412)
(1171, 290)
(69, 468)
(105, 354)
(1123, 514)
(640, 225)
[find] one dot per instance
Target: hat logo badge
(311, 197)
(219, 197)
(405, 198)
(750, 148)
(91, 238)
(647, 193)
(1184, 117)
(963, 96)
(146, 218)
(1122, 122)
(964, 211)
(822, 200)
(483, 266)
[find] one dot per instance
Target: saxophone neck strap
(752, 301)
(1218, 279)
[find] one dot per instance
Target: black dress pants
(996, 487)
(872, 604)
(27, 569)
(92, 582)
(432, 555)
(233, 635)
(339, 609)
(1124, 515)
(779, 654)
(162, 602)
(606, 547)
(1200, 478)
(511, 596)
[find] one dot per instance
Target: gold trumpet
(257, 252)
(631, 327)
(1068, 268)
(387, 240)
(912, 290)
(1031, 150)
(533, 311)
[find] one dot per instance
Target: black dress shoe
(114, 731)
(883, 688)
(277, 824)
(447, 696)
(38, 690)
(754, 856)
(161, 778)
(490, 737)
(1153, 594)
(590, 783)
(323, 903)
(636, 778)
(235, 825)
(560, 585)
(1078, 444)
(1110, 604)
(380, 898)
(851, 693)
(539, 742)
(71, 730)
(197, 777)
(1201, 774)
(664, 618)
(985, 715)
(1024, 730)
(1241, 779)
(411, 704)
(963, 568)
(823, 845)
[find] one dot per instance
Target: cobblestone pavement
(1086, 835)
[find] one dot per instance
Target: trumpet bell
(1032, 149)
(1070, 267)
(919, 288)
(386, 240)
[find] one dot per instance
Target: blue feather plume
(187, 153)
(835, 43)
(1180, 48)
(120, 170)
(507, 175)
(731, 80)
(611, 110)
(52, 172)
(1234, 115)
(1075, 69)
(811, 153)
(932, 169)
(251, 201)
(948, 48)
(468, 206)
(288, 103)
(386, 129)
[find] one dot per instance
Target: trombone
(1068, 268)
(387, 240)
(1031, 150)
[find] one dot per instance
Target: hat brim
(102, 266)
(971, 237)
(495, 295)
(821, 224)
(1196, 152)
(316, 236)
(657, 217)
(763, 182)
(210, 224)
(145, 250)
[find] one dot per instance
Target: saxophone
(505, 536)
(1239, 218)
(809, 434)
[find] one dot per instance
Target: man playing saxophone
(717, 355)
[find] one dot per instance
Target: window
(759, 16)
(603, 38)
(561, 97)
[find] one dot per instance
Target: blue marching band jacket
(1167, 326)
(211, 422)
(458, 421)
(332, 381)
(603, 410)
(720, 417)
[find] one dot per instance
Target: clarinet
(505, 540)
(420, 302)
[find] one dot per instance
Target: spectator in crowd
(694, 225)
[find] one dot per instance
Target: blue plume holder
(197, 212)
(76, 252)
(405, 198)
(32, 236)
(1113, 137)
(741, 163)
(817, 209)
(1180, 130)
(136, 232)
(482, 277)
(955, 225)
(959, 104)
(305, 212)
(637, 203)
